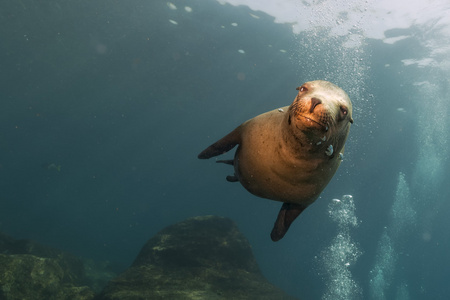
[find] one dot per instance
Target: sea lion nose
(314, 103)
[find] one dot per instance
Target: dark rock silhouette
(200, 258)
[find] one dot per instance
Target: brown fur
(282, 155)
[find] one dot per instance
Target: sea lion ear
(351, 120)
(223, 145)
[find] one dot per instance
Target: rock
(200, 258)
(25, 276)
(72, 264)
(29, 270)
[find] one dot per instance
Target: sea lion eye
(343, 113)
(302, 89)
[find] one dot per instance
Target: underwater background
(105, 106)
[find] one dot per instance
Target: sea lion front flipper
(223, 145)
(288, 213)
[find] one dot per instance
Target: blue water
(123, 100)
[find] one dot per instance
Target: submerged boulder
(25, 276)
(29, 270)
(200, 258)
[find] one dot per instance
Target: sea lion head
(323, 113)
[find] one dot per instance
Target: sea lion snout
(314, 103)
(310, 111)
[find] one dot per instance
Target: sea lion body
(291, 153)
(269, 167)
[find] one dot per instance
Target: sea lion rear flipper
(223, 145)
(288, 213)
(232, 178)
(226, 161)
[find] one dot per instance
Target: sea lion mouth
(325, 126)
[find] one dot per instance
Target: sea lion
(291, 153)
